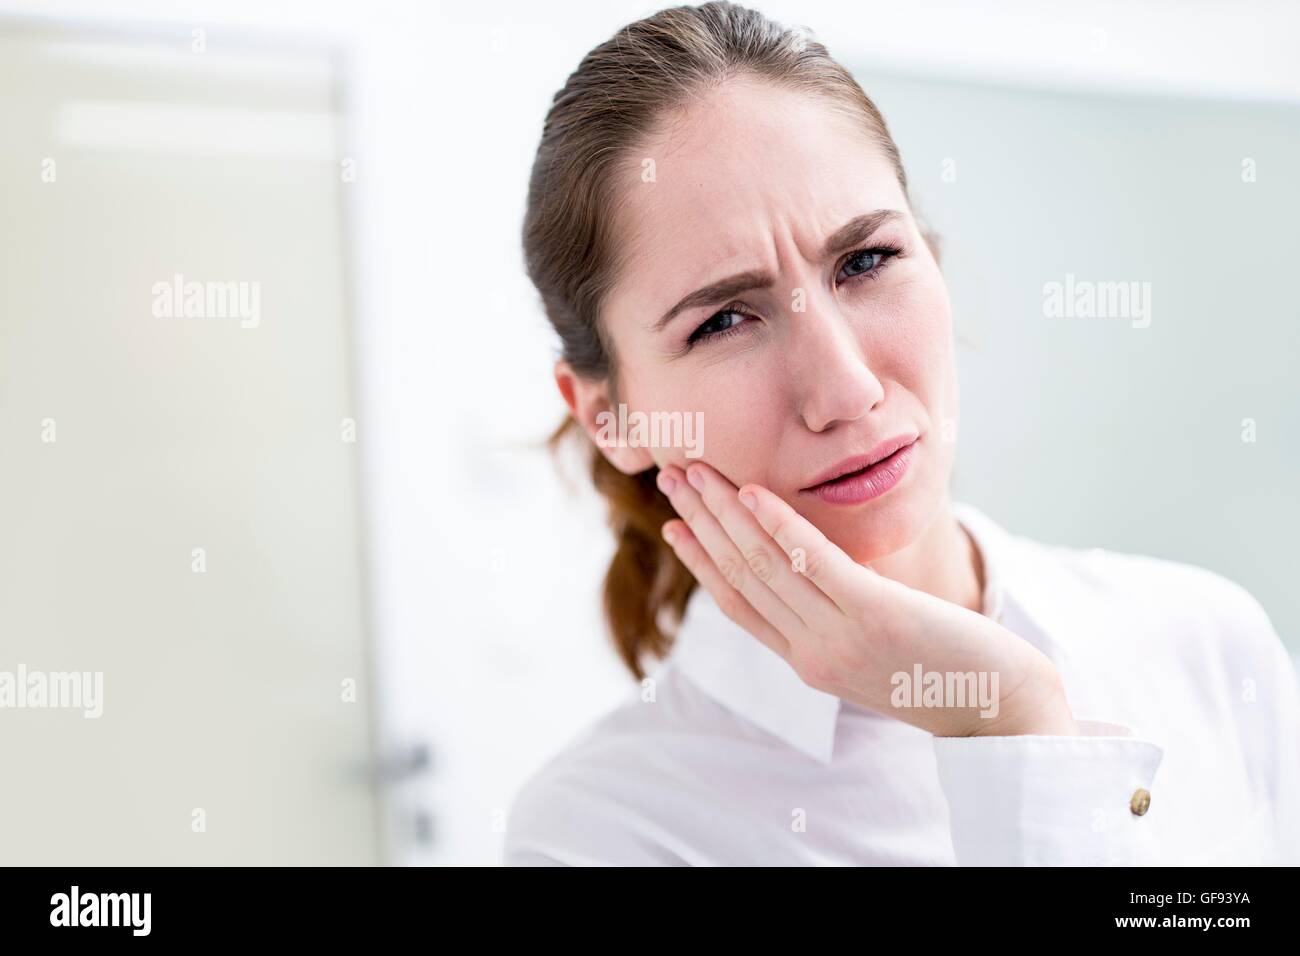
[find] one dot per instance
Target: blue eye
(868, 262)
(719, 324)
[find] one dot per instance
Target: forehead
(743, 167)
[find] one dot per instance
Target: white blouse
(1189, 752)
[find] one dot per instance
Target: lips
(858, 487)
(859, 462)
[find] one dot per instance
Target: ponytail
(645, 582)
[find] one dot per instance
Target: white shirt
(1181, 686)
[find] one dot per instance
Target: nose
(829, 365)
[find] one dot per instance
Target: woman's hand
(845, 629)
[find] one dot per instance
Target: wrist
(1038, 707)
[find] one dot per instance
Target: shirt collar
(741, 673)
(1023, 586)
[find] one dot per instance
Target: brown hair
(612, 100)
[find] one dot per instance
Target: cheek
(914, 347)
(925, 363)
(738, 417)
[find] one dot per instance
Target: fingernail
(667, 483)
(670, 535)
(696, 478)
(749, 500)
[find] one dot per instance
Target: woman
(719, 227)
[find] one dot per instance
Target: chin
(879, 527)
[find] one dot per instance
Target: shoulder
(611, 793)
(1187, 603)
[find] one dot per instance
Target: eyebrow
(854, 232)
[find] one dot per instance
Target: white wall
(179, 509)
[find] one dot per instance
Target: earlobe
(590, 404)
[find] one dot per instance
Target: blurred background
(300, 521)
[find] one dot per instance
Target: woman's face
(843, 348)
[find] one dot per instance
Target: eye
(721, 324)
(868, 262)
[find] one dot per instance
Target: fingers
(729, 562)
(763, 555)
(733, 604)
(813, 555)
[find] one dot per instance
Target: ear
(591, 406)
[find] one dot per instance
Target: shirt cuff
(1038, 800)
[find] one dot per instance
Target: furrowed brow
(716, 293)
(856, 231)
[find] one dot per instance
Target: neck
(943, 561)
